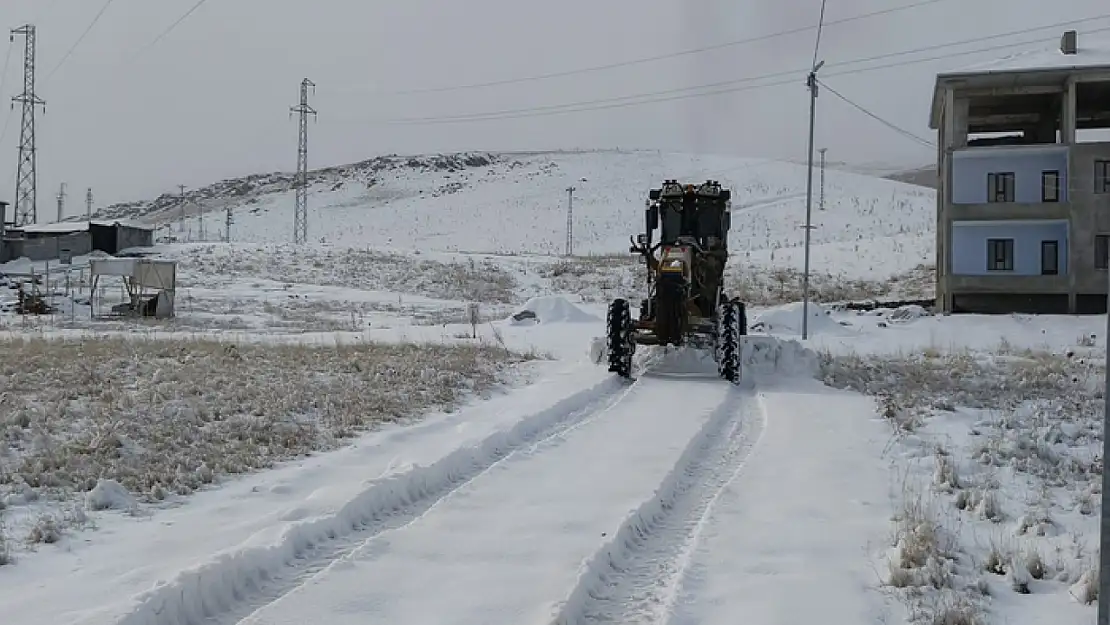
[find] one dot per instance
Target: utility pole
(811, 83)
(88, 204)
(26, 180)
(300, 210)
(1104, 522)
(184, 213)
(821, 203)
(61, 201)
(227, 225)
(570, 221)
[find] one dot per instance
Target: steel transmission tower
(26, 180)
(300, 211)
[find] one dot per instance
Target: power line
(171, 27)
(88, 29)
(661, 57)
(739, 84)
(891, 125)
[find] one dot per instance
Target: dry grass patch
(471, 281)
(168, 417)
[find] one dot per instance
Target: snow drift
(552, 309)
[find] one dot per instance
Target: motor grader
(685, 303)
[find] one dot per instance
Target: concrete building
(1023, 194)
(38, 242)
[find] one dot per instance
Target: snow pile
(908, 313)
(556, 309)
(766, 355)
(598, 350)
(110, 495)
(788, 320)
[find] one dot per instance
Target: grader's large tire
(670, 313)
(618, 340)
(730, 327)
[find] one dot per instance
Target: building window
(1102, 251)
(1000, 254)
(1102, 176)
(1050, 186)
(1000, 187)
(1050, 258)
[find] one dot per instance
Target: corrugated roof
(64, 227)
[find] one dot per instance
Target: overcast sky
(211, 100)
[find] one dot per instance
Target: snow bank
(788, 320)
(761, 355)
(235, 576)
(556, 309)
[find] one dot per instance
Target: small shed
(151, 285)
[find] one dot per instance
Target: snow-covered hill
(516, 204)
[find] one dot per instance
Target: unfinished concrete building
(1023, 196)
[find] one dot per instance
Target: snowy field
(322, 434)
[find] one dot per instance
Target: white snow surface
(578, 497)
(516, 205)
(556, 309)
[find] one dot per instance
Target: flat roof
(1040, 66)
(1089, 54)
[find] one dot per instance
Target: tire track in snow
(636, 577)
(233, 585)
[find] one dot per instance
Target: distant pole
(227, 225)
(61, 201)
(88, 204)
(570, 221)
(184, 213)
(811, 82)
(821, 203)
(300, 210)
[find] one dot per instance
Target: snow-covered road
(510, 545)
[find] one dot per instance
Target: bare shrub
(168, 417)
(365, 269)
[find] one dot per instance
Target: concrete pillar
(1068, 113)
(961, 110)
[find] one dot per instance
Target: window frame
(1008, 187)
(1003, 262)
(1055, 187)
(1055, 270)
